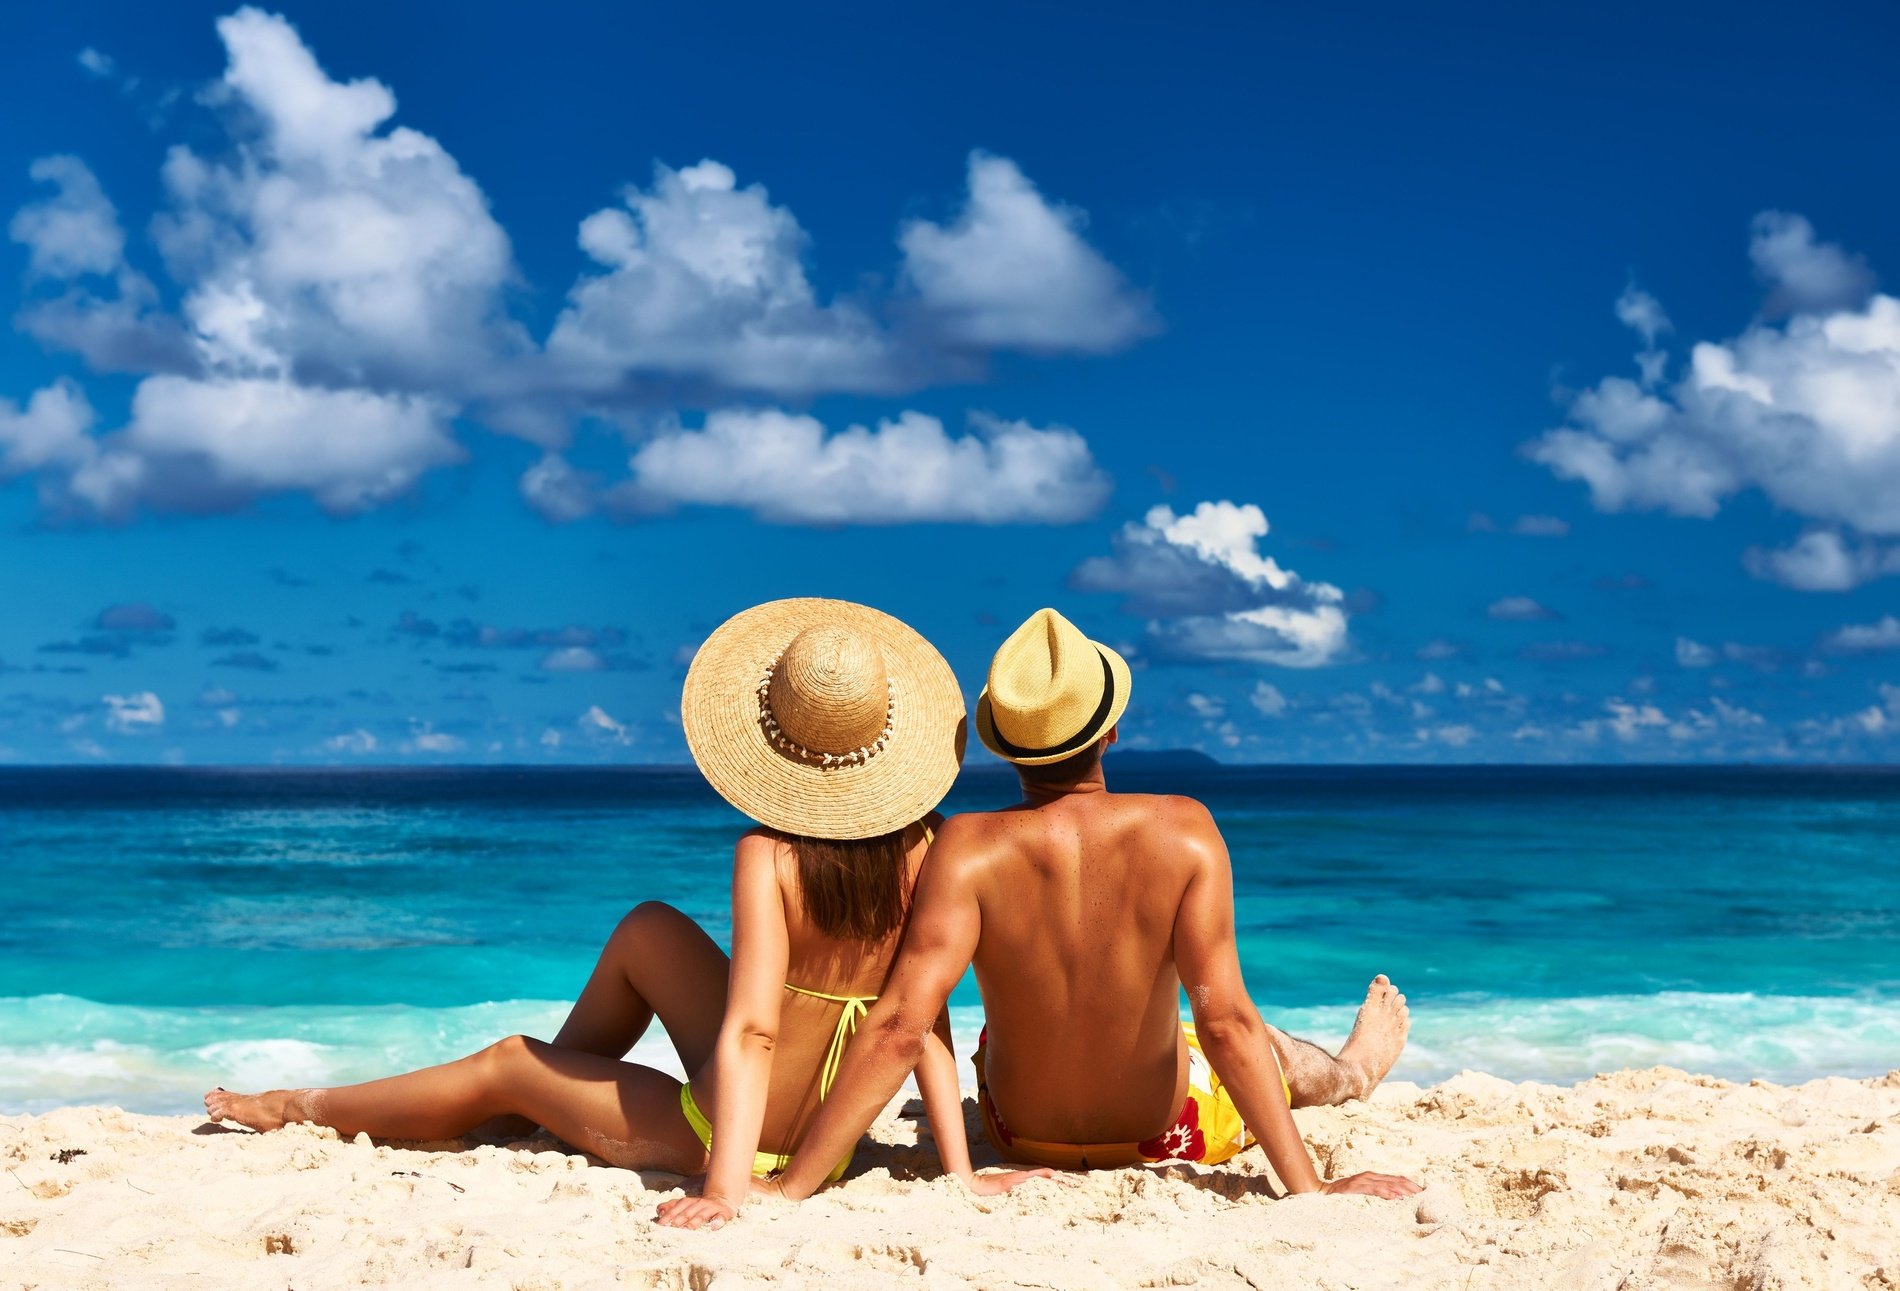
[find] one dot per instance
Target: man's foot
(1378, 1035)
(267, 1111)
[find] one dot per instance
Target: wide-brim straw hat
(1052, 692)
(824, 718)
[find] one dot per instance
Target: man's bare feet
(1378, 1034)
(267, 1111)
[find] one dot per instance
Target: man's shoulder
(1174, 808)
(969, 829)
(1181, 826)
(987, 831)
(971, 844)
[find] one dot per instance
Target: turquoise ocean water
(167, 930)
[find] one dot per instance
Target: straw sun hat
(824, 718)
(1052, 692)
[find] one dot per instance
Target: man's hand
(696, 1212)
(1369, 1184)
(1002, 1181)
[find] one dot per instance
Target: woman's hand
(769, 1188)
(1368, 1184)
(696, 1212)
(1002, 1181)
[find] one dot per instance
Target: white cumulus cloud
(1822, 560)
(1806, 410)
(559, 492)
(1206, 706)
(786, 468)
(424, 738)
(84, 296)
(1804, 274)
(1014, 272)
(198, 444)
(572, 659)
(1457, 734)
(1267, 699)
(1208, 592)
(134, 714)
(1693, 654)
(337, 280)
(1860, 638)
(705, 279)
(1628, 721)
(599, 724)
(50, 430)
(328, 247)
(75, 230)
(343, 299)
(358, 742)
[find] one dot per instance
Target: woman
(839, 729)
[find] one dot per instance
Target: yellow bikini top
(855, 1007)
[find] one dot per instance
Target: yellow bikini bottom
(763, 1163)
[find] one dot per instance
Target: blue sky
(421, 383)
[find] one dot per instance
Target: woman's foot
(271, 1110)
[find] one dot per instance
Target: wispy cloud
(1863, 638)
(1520, 609)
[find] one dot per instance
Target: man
(1085, 913)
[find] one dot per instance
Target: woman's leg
(620, 1111)
(659, 963)
(656, 964)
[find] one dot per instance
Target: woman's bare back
(818, 962)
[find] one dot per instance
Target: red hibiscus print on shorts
(999, 1132)
(1181, 1141)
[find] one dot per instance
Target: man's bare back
(1076, 960)
(1083, 897)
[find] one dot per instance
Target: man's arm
(1232, 1035)
(938, 944)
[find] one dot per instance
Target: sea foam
(60, 1050)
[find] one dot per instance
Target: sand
(1634, 1180)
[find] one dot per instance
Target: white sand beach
(1641, 1179)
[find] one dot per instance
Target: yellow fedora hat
(1051, 693)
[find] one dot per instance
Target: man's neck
(1041, 795)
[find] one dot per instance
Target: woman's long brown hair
(855, 889)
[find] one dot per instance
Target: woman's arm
(943, 1104)
(739, 1076)
(943, 1100)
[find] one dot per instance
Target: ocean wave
(1781, 1038)
(58, 1050)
